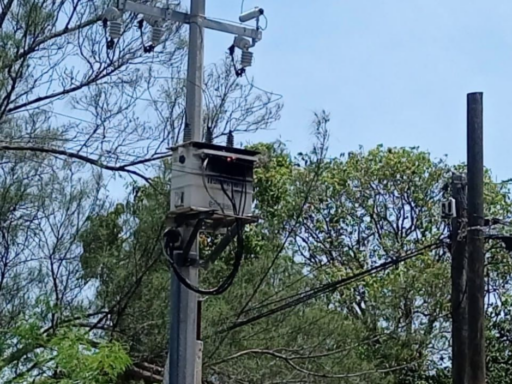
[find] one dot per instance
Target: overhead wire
(291, 284)
(251, 83)
(303, 297)
(65, 115)
(375, 269)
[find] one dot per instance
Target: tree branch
(288, 360)
(55, 35)
(136, 373)
(5, 11)
(67, 91)
(77, 156)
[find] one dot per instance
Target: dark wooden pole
(459, 282)
(476, 256)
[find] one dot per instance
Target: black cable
(231, 200)
(371, 270)
(243, 197)
(301, 298)
(205, 185)
(223, 287)
(332, 286)
(228, 281)
(296, 281)
(278, 95)
(266, 23)
(239, 72)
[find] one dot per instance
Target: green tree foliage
(365, 208)
(45, 333)
(65, 99)
(45, 336)
(321, 220)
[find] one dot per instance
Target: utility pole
(184, 344)
(475, 239)
(194, 102)
(459, 282)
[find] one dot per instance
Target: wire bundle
(300, 298)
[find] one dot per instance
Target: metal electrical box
(448, 208)
(212, 177)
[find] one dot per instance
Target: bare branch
(5, 11)
(67, 30)
(289, 361)
(77, 156)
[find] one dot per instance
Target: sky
(390, 72)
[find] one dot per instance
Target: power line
(251, 83)
(300, 298)
(70, 117)
(60, 114)
(298, 280)
(376, 268)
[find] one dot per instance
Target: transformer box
(211, 177)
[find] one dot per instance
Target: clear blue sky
(391, 72)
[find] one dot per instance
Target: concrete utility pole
(184, 346)
(194, 103)
(459, 282)
(475, 239)
(184, 349)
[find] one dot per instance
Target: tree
(370, 208)
(276, 205)
(52, 58)
(126, 107)
(43, 338)
(143, 322)
(321, 221)
(365, 209)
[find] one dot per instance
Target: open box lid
(219, 150)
